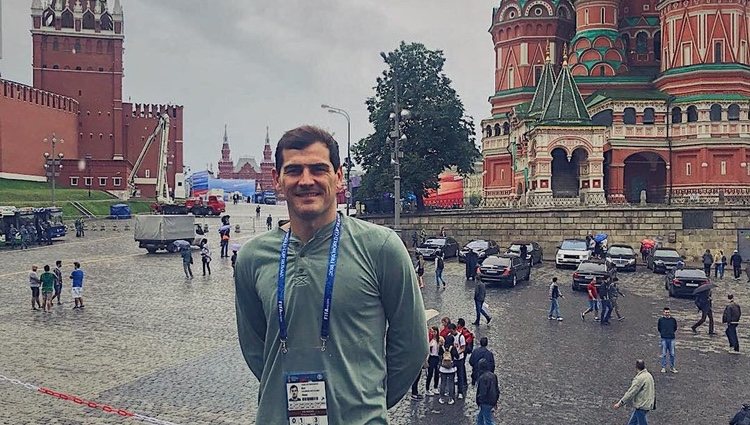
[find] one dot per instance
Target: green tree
(439, 134)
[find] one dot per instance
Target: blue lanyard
(327, 296)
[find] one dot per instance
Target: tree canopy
(439, 134)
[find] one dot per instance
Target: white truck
(155, 232)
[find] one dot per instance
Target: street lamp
(52, 163)
(348, 161)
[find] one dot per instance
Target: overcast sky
(252, 63)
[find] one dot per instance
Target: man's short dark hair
(46, 267)
(554, 279)
(640, 364)
(452, 326)
(77, 265)
(666, 308)
(301, 137)
(461, 322)
(730, 296)
(483, 341)
(58, 263)
(293, 387)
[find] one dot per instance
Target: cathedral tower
(226, 165)
(596, 49)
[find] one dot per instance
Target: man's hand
(616, 405)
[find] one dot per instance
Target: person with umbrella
(646, 246)
(472, 259)
(703, 302)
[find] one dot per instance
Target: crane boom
(162, 188)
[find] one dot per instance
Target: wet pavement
(151, 342)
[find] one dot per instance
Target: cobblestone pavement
(151, 342)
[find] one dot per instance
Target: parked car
(571, 252)
(683, 282)
(483, 247)
(662, 260)
(504, 269)
(435, 245)
(622, 256)
(533, 250)
(603, 271)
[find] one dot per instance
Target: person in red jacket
(593, 300)
(445, 331)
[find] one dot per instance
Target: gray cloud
(255, 63)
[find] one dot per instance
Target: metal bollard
(236, 228)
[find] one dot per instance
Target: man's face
(294, 392)
(309, 181)
(667, 313)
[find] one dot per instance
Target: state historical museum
(605, 101)
(77, 96)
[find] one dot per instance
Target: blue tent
(119, 211)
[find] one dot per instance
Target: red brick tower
(266, 166)
(77, 52)
(226, 165)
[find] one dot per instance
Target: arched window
(649, 116)
(733, 112)
(498, 130)
(628, 116)
(55, 67)
(77, 47)
(657, 45)
(488, 131)
(626, 42)
(106, 22)
(676, 115)
(718, 52)
(692, 113)
(66, 19)
(641, 43)
(55, 45)
(48, 18)
(715, 114)
(89, 22)
(603, 118)
(506, 127)
(602, 16)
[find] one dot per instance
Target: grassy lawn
(34, 194)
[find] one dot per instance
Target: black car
(622, 256)
(603, 271)
(662, 260)
(506, 268)
(683, 282)
(483, 247)
(435, 245)
(533, 250)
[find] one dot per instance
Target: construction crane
(165, 203)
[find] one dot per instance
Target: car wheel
(573, 287)
(151, 250)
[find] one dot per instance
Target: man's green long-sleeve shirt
(378, 333)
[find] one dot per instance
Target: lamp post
(397, 137)
(52, 163)
(348, 161)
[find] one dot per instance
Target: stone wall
(624, 225)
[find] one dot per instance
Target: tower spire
(226, 138)
(268, 139)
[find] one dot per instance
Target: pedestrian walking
(269, 222)
(48, 286)
(708, 260)
(703, 301)
(554, 301)
(459, 332)
(187, 259)
(448, 355)
(442, 232)
(480, 292)
(24, 237)
(488, 393)
(614, 294)
(593, 298)
(732, 314)
(77, 285)
(206, 256)
(58, 282)
(481, 353)
(257, 211)
(419, 267)
(422, 236)
(667, 327)
(439, 267)
(641, 395)
(414, 238)
(34, 284)
(433, 362)
(718, 272)
(224, 240)
(736, 261)
(415, 395)
(606, 305)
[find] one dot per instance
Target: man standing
(667, 326)
(481, 353)
(593, 295)
(480, 292)
(439, 267)
(606, 305)
(77, 285)
(269, 222)
(459, 342)
(554, 302)
(48, 285)
(34, 284)
(736, 261)
(187, 260)
(732, 314)
(614, 294)
(707, 261)
(488, 393)
(368, 341)
(58, 282)
(257, 211)
(641, 395)
(704, 304)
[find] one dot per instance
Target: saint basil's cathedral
(618, 101)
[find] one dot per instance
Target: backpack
(440, 263)
(469, 337)
(447, 360)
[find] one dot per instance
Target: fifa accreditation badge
(307, 403)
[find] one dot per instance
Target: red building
(246, 167)
(77, 95)
(635, 95)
